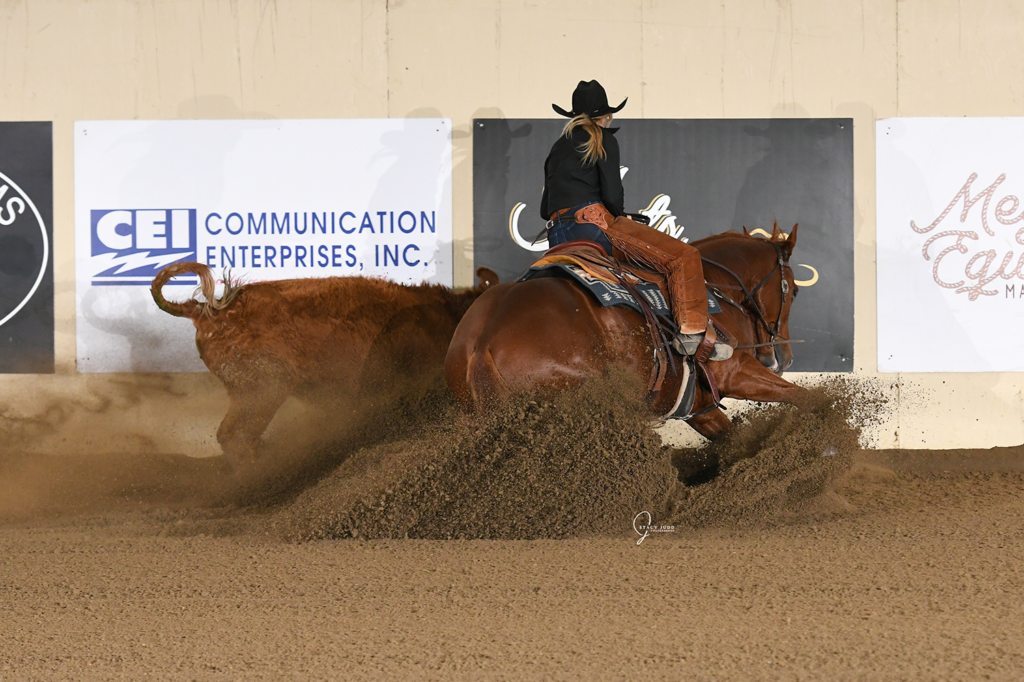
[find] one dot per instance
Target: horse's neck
(739, 257)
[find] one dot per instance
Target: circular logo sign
(24, 249)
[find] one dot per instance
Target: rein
(771, 329)
(781, 342)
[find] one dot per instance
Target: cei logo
(129, 247)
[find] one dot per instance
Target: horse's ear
(487, 277)
(775, 230)
(746, 232)
(789, 243)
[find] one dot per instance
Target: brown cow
(312, 337)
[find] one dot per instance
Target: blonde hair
(594, 148)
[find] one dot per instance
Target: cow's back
(349, 333)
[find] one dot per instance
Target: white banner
(267, 199)
(950, 244)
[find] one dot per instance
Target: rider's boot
(689, 344)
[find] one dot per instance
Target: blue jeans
(566, 229)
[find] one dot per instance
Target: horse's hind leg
(485, 381)
(473, 377)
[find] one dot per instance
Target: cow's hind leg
(251, 411)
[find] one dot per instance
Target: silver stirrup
(687, 344)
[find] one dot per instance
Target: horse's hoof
(237, 462)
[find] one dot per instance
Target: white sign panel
(950, 245)
(266, 199)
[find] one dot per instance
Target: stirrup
(689, 344)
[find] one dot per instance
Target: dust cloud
(778, 462)
(63, 451)
(582, 464)
(413, 466)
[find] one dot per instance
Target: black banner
(26, 248)
(694, 178)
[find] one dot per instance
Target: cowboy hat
(589, 98)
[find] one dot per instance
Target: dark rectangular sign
(694, 178)
(26, 248)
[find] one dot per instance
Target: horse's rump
(545, 335)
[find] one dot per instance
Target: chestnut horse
(549, 334)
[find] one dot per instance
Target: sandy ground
(920, 577)
(502, 547)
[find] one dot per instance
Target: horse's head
(779, 358)
(755, 273)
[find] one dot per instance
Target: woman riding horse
(583, 199)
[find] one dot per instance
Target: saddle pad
(612, 293)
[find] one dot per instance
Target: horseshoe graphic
(766, 235)
(799, 282)
(513, 230)
(807, 282)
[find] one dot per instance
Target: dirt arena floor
(806, 558)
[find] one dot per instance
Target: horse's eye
(796, 291)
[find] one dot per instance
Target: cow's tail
(207, 286)
(486, 384)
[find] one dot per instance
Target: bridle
(750, 303)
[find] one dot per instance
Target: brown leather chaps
(677, 260)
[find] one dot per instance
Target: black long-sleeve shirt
(569, 182)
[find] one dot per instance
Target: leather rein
(748, 296)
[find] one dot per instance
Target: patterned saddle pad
(588, 266)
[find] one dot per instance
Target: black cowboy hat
(589, 98)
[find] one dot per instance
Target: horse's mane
(731, 242)
(722, 236)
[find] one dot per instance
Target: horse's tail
(192, 307)
(486, 384)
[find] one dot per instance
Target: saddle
(588, 263)
(591, 257)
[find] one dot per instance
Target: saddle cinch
(615, 283)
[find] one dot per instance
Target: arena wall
(68, 60)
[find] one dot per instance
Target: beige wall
(67, 60)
